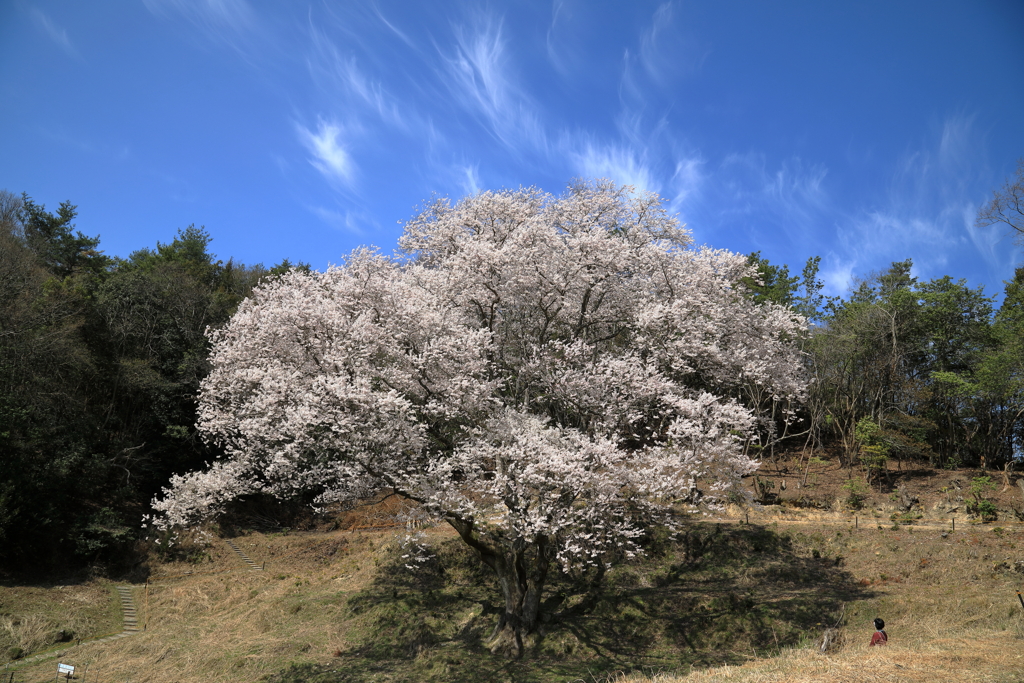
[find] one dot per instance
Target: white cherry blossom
(546, 375)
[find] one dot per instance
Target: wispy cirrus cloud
(482, 82)
(210, 15)
(926, 211)
(643, 148)
(667, 49)
(343, 220)
(788, 201)
(643, 153)
(232, 23)
(621, 163)
(57, 34)
(391, 27)
(558, 56)
(929, 208)
(345, 82)
(328, 154)
(837, 274)
(687, 184)
(471, 179)
(572, 24)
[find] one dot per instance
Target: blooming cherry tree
(548, 375)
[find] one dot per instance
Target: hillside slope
(753, 598)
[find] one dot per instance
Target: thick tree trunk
(521, 573)
(522, 566)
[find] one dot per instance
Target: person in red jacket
(880, 637)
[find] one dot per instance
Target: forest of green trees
(100, 362)
(101, 359)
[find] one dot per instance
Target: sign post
(66, 670)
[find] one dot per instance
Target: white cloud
(554, 41)
(404, 38)
(342, 78)
(888, 235)
(621, 164)
(471, 184)
(210, 14)
(986, 240)
(687, 183)
(837, 275)
(665, 53)
(329, 155)
(56, 33)
(345, 221)
(232, 23)
(789, 201)
(480, 79)
(568, 38)
(929, 209)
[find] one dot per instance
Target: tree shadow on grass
(717, 595)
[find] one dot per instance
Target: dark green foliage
(100, 363)
(775, 284)
(57, 249)
(927, 363)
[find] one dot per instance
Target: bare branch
(1006, 205)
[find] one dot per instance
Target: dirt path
(868, 522)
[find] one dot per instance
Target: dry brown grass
(33, 617)
(994, 658)
(220, 621)
(949, 603)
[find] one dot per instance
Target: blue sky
(863, 132)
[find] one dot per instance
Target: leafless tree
(1007, 205)
(10, 209)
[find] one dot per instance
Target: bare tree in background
(10, 211)
(1007, 205)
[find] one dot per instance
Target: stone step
(245, 558)
(129, 616)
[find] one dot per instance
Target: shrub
(874, 448)
(856, 492)
(985, 509)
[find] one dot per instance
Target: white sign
(65, 669)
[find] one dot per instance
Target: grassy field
(728, 601)
(34, 618)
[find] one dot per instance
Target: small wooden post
(856, 522)
(953, 519)
(1018, 597)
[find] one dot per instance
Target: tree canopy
(100, 364)
(545, 374)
